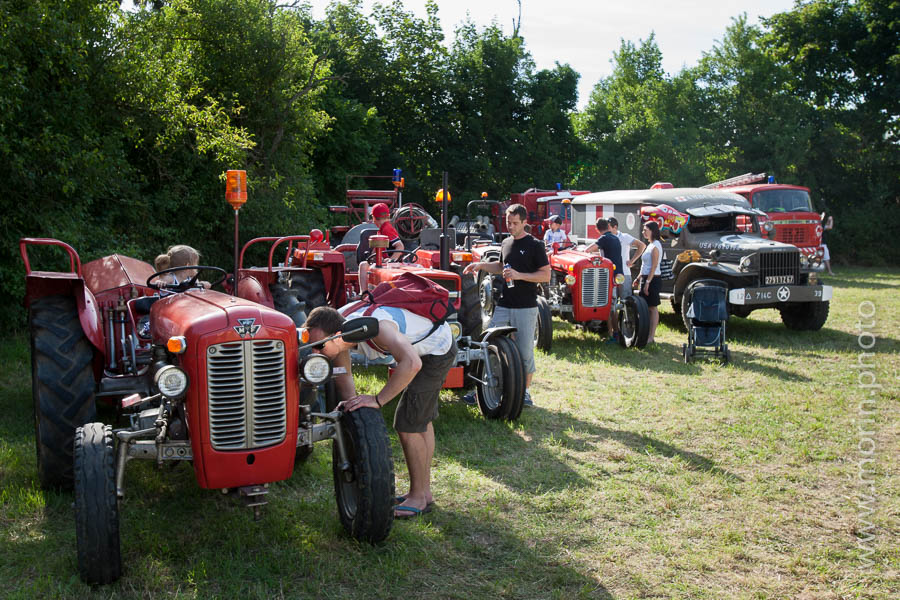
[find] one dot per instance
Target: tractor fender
(250, 288)
(68, 284)
(493, 332)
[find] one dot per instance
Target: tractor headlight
(315, 368)
(620, 279)
(745, 263)
(570, 279)
(455, 329)
(804, 260)
(171, 381)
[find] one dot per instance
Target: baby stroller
(707, 313)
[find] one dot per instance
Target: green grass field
(636, 476)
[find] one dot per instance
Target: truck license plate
(775, 279)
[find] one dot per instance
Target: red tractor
(581, 291)
(490, 360)
(204, 377)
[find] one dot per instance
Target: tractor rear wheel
(805, 316)
(503, 396)
(62, 386)
(634, 322)
(305, 292)
(543, 334)
(470, 307)
(96, 505)
(364, 487)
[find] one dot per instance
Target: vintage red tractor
(204, 377)
(490, 360)
(581, 291)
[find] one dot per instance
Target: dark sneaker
(470, 399)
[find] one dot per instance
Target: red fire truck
(788, 208)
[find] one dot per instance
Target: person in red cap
(381, 216)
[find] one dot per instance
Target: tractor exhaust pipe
(445, 248)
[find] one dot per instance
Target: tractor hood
(569, 259)
(199, 312)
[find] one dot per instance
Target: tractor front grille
(594, 287)
(246, 387)
(779, 268)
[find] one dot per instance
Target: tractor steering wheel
(185, 285)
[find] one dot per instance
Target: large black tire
(62, 386)
(96, 506)
(470, 319)
(634, 322)
(306, 292)
(505, 399)
(805, 316)
(365, 492)
(543, 334)
(685, 305)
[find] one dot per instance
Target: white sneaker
(528, 401)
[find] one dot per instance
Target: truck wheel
(504, 399)
(543, 334)
(634, 322)
(365, 488)
(470, 318)
(96, 506)
(62, 386)
(805, 316)
(305, 292)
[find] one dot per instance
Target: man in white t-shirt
(628, 242)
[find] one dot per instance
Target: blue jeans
(524, 320)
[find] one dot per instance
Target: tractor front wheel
(543, 334)
(96, 505)
(634, 322)
(62, 385)
(364, 486)
(502, 396)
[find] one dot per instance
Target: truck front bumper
(779, 294)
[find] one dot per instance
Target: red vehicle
(204, 377)
(489, 359)
(542, 204)
(788, 208)
(409, 218)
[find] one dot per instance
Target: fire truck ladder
(745, 179)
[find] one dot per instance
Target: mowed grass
(636, 476)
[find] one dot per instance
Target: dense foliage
(116, 126)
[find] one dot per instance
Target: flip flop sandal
(402, 499)
(411, 512)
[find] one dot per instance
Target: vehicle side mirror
(359, 329)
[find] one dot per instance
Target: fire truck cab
(787, 207)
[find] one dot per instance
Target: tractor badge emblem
(247, 327)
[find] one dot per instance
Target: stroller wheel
(726, 355)
(684, 353)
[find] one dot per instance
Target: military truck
(722, 240)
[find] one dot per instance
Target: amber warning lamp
(236, 188)
(439, 197)
(236, 196)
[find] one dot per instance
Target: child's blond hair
(177, 256)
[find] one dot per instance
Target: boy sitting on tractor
(381, 216)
